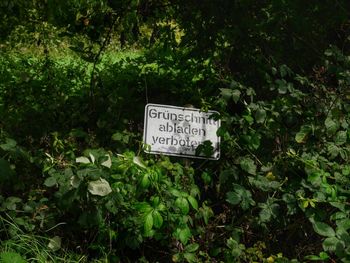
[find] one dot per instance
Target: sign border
(178, 154)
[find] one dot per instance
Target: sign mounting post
(178, 131)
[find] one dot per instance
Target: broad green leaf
(233, 198)
(324, 255)
(333, 150)
(175, 192)
(157, 219)
(143, 207)
(340, 137)
(51, 181)
(206, 213)
(282, 86)
(11, 202)
(268, 211)
(82, 159)
(193, 202)
(92, 157)
(226, 93)
(10, 144)
(323, 229)
(331, 125)
(344, 154)
(145, 182)
(75, 181)
(137, 160)
(190, 257)
(182, 203)
(229, 93)
(55, 243)
(155, 200)
(108, 162)
(11, 257)
(248, 165)
(343, 224)
(234, 247)
(236, 94)
(99, 187)
(183, 234)
(192, 247)
(301, 136)
(148, 222)
(260, 115)
(330, 243)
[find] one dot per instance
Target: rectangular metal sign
(178, 131)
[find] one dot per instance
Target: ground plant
(75, 182)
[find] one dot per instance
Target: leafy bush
(74, 179)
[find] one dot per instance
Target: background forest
(75, 184)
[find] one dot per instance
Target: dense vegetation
(75, 184)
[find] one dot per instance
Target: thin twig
(97, 57)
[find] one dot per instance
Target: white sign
(179, 131)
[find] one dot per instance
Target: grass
(20, 247)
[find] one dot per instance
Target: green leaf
(301, 136)
(92, 157)
(331, 125)
(260, 115)
(99, 187)
(282, 86)
(82, 159)
(190, 257)
(175, 192)
(11, 202)
(206, 212)
(117, 136)
(233, 198)
(148, 225)
(333, 150)
(343, 224)
(269, 210)
(55, 243)
(324, 255)
(143, 207)
(11, 257)
(323, 229)
(312, 257)
(236, 94)
(340, 137)
(108, 162)
(330, 243)
(192, 247)
(145, 182)
(137, 160)
(157, 219)
(226, 93)
(234, 247)
(183, 234)
(229, 93)
(51, 181)
(9, 145)
(193, 202)
(182, 203)
(248, 165)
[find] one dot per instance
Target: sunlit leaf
(99, 187)
(323, 229)
(55, 243)
(82, 159)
